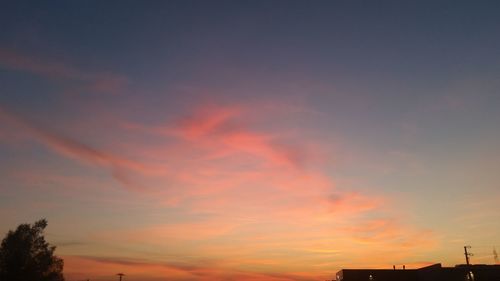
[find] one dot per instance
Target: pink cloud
(56, 70)
(16, 61)
(208, 120)
(252, 194)
(73, 149)
(223, 132)
(215, 153)
(251, 190)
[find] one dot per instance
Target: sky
(251, 140)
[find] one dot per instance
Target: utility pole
(467, 254)
(495, 255)
(120, 275)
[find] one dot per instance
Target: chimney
(394, 267)
(404, 267)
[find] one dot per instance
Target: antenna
(495, 255)
(467, 254)
(120, 275)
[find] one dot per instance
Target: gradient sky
(251, 140)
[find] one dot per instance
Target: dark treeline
(26, 256)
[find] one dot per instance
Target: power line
(483, 255)
(483, 245)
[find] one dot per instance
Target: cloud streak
(73, 149)
(86, 82)
(209, 271)
(239, 181)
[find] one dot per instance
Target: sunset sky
(251, 140)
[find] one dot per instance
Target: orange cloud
(261, 202)
(104, 268)
(254, 199)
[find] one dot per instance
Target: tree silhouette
(26, 256)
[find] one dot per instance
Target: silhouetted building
(430, 273)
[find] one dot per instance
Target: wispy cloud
(72, 148)
(182, 271)
(263, 190)
(276, 204)
(76, 79)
